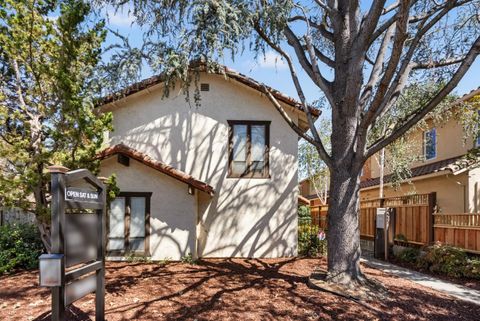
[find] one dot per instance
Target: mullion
(248, 170)
(127, 223)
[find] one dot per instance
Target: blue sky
(269, 70)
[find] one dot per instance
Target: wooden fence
(413, 217)
(460, 230)
(415, 221)
(318, 212)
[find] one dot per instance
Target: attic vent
(204, 87)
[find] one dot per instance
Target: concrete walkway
(457, 291)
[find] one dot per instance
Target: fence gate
(76, 266)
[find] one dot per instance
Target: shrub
(304, 216)
(20, 247)
(472, 269)
(445, 259)
(309, 242)
(409, 255)
(188, 259)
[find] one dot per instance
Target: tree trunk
(343, 228)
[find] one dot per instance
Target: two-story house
(443, 167)
(218, 180)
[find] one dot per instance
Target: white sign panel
(381, 217)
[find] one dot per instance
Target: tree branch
(437, 64)
(317, 143)
(377, 68)
(391, 96)
(298, 87)
(417, 115)
(318, 79)
(370, 21)
(398, 44)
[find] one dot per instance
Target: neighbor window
(248, 148)
(430, 144)
(477, 141)
(128, 223)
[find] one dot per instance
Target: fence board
(412, 219)
(458, 229)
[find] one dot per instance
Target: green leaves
(49, 50)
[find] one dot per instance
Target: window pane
(430, 144)
(239, 167)
(137, 217)
(239, 149)
(239, 143)
(258, 143)
(137, 244)
(116, 244)
(116, 235)
(478, 131)
(257, 167)
(117, 217)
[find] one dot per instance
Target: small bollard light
(51, 269)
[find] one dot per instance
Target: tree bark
(343, 228)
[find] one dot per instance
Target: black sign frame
(90, 276)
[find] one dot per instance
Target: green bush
(20, 247)
(472, 269)
(309, 243)
(409, 255)
(304, 216)
(448, 260)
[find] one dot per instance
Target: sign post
(78, 239)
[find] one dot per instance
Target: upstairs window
(249, 149)
(477, 141)
(430, 144)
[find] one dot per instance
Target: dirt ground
(229, 290)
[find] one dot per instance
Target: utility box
(51, 270)
(380, 232)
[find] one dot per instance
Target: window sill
(248, 177)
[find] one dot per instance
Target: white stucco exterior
(246, 217)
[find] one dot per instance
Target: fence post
(432, 201)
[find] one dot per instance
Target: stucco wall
(172, 219)
(246, 217)
(474, 190)
(451, 191)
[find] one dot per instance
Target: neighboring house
(449, 166)
(219, 180)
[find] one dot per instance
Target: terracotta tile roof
(468, 95)
(468, 161)
(159, 166)
(221, 70)
(303, 200)
(442, 165)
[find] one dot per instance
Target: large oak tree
(359, 54)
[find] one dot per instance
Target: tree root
(360, 289)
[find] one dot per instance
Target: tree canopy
(48, 53)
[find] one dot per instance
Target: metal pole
(57, 236)
(100, 274)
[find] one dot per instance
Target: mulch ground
(229, 289)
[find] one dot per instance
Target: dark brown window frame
(248, 172)
(128, 195)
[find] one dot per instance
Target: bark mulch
(229, 289)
